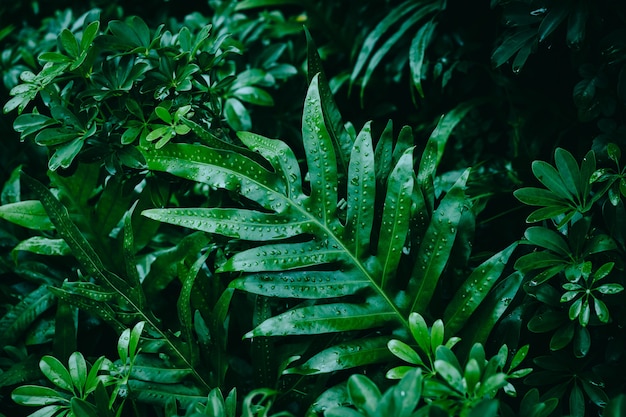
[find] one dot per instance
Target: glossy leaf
(433, 254)
(30, 214)
(474, 290)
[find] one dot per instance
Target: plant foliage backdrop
(437, 230)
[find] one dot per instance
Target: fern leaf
(305, 245)
(434, 252)
(325, 318)
(395, 222)
(302, 284)
(361, 192)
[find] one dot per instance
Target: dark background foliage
(534, 75)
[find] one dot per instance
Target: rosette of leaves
(459, 390)
(568, 193)
(104, 90)
(335, 238)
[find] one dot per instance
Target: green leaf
(417, 52)
(450, 374)
(56, 372)
(616, 407)
(184, 302)
(512, 43)
(555, 16)
(434, 252)
(419, 330)
(395, 221)
(37, 396)
(474, 290)
(82, 408)
(65, 154)
(538, 197)
(89, 35)
(364, 394)
(492, 309)
(548, 239)
(550, 177)
(380, 53)
(345, 356)
(569, 171)
(29, 213)
(576, 402)
(69, 42)
(78, 371)
(362, 190)
(18, 318)
(236, 223)
(324, 318)
(404, 352)
(562, 337)
(42, 246)
(302, 284)
(156, 394)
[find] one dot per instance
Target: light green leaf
(569, 171)
(419, 330)
(29, 213)
(78, 371)
(56, 372)
(42, 246)
(404, 352)
(450, 374)
(36, 395)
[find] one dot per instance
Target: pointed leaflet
(236, 223)
(280, 156)
(395, 222)
(393, 39)
(321, 159)
(341, 138)
(474, 290)
(344, 356)
(361, 193)
(438, 139)
(303, 284)
(326, 318)
(220, 169)
(184, 303)
(434, 251)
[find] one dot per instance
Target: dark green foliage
(162, 256)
